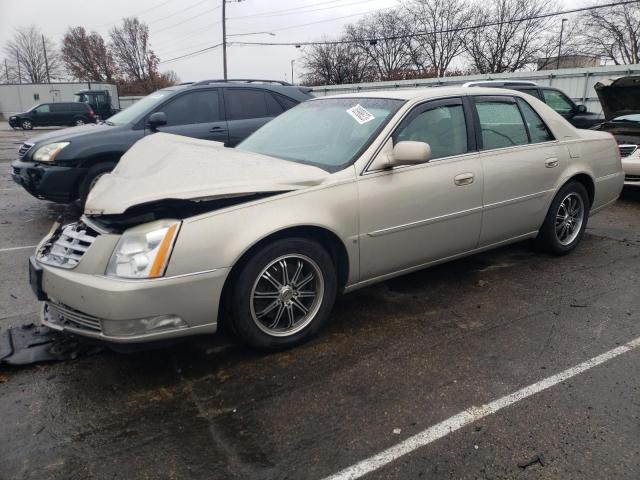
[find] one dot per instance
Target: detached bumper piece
(50, 182)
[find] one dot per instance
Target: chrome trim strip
(427, 221)
(610, 176)
(94, 226)
(511, 201)
(139, 280)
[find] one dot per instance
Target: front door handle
(463, 179)
(217, 129)
(551, 162)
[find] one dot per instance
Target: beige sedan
(335, 194)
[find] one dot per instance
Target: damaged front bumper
(131, 311)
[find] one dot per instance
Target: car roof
(505, 83)
(296, 92)
(425, 93)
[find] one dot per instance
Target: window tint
(58, 107)
(286, 102)
(273, 107)
(43, 108)
(501, 125)
(193, 107)
(558, 101)
(443, 128)
(537, 128)
(245, 103)
(530, 91)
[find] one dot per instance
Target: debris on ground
(532, 461)
(30, 343)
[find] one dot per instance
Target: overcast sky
(182, 26)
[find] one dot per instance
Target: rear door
(43, 115)
(247, 110)
(197, 114)
(520, 159)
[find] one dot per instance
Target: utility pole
(19, 72)
(292, 82)
(224, 38)
(560, 44)
(46, 62)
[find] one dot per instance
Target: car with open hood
(333, 195)
(620, 99)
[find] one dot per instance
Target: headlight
(49, 152)
(143, 251)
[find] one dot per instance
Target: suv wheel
(26, 124)
(283, 294)
(91, 178)
(79, 122)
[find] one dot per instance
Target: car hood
(68, 134)
(619, 96)
(169, 167)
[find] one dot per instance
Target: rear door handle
(551, 162)
(217, 129)
(463, 179)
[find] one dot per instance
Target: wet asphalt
(397, 358)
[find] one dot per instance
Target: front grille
(67, 245)
(24, 148)
(632, 178)
(626, 150)
(68, 317)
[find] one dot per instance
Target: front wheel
(91, 178)
(566, 220)
(283, 294)
(26, 124)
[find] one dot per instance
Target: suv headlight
(144, 251)
(49, 152)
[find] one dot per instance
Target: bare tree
(571, 43)
(613, 32)
(133, 55)
(86, 56)
(446, 23)
(381, 37)
(511, 38)
(31, 56)
(336, 63)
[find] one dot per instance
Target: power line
(314, 10)
(189, 19)
(197, 52)
(183, 9)
(135, 14)
(292, 11)
(424, 33)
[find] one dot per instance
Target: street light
(560, 44)
(251, 33)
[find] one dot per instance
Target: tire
(276, 320)
(26, 124)
(78, 122)
(90, 179)
(566, 220)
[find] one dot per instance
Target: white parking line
(471, 415)
(13, 249)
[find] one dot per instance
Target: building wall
(16, 98)
(576, 82)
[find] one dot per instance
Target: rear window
(244, 103)
(537, 128)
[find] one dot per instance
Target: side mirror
(35, 112)
(581, 109)
(157, 119)
(409, 153)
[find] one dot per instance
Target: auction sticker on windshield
(361, 114)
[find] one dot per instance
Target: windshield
(325, 133)
(141, 107)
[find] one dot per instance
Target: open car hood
(168, 167)
(619, 96)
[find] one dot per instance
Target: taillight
(91, 114)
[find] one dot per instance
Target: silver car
(333, 195)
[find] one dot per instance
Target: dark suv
(575, 114)
(53, 114)
(63, 166)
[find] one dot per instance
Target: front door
(521, 162)
(196, 114)
(414, 215)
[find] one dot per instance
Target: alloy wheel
(79, 122)
(569, 218)
(287, 295)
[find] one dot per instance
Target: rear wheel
(283, 294)
(26, 124)
(78, 122)
(566, 220)
(91, 178)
